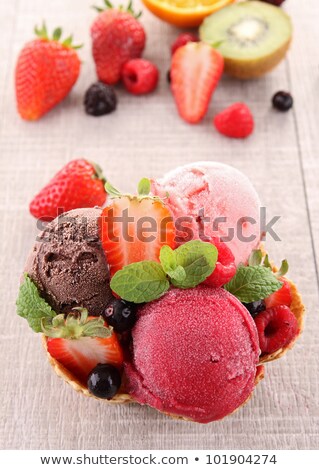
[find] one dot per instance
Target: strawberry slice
(134, 228)
(195, 72)
(81, 343)
(281, 296)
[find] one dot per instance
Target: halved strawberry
(134, 228)
(80, 343)
(281, 296)
(195, 72)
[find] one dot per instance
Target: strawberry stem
(128, 9)
(42, 33)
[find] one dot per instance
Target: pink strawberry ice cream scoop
(194, 354)
(210, 199)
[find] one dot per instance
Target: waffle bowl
(122, 397)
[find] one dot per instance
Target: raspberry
(183, 39)
(225, 267)
(235, 121)
(277, 327)
(281, 297)
(140, 76)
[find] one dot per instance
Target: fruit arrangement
(245, 39)
(144, 299)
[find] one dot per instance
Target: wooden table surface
(145, 137)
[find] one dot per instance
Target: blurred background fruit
(184, 13)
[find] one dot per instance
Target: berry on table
(100, 99)
(277, 327)
(255, 307)
(283, 101)
(168, 76)
(104, 381)
(140, 76)
(182, 40)
(236, 121)
(120, 314)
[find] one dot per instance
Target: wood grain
(146, 137)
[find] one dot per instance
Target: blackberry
(255, 307)
(100, 99)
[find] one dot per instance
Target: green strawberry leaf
(283, 268)
(252, 283)
(140, 282)
(255, 258)
(144, 187)
(31, 306)
(198, 260)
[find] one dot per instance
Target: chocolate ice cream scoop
(68, 263)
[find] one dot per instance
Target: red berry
(235, 121)
(183, 39)
(140, 76)
(77, 184)
(225, 267)
(117, 37)
(277, 327)
(281, 297)
(195, 72)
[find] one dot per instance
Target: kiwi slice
(252, 36)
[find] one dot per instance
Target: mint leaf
(31, 306)
(198, 260)
(144, 187)
(252, 283)
(178, 274)
(140, 282)
(168, 259)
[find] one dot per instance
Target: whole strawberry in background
(117, 37)
(45, 73)
(80, 183)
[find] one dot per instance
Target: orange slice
(185, 13)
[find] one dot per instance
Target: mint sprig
(185, 267)
(31, 306)
(252, 283)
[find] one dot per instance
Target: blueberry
(282, 101)
(104, 381)
(99, 99)
(120, 314)
(255, 307)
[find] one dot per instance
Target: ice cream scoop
(210, 199)
(194, 354)
(68, 264)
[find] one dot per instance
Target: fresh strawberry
(140, 76)
(117, 36)
(236, 121)
(81, 343)
(182, 40)
(45, 73)
(78, 184)
(281, 296)
(225, 268)
(134, 228)
(195, 72)
(277, 327)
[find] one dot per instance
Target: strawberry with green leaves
(79, 183)
(134, 228)
(77, 341)
(196, 69)
(46, 70)
(117, 37)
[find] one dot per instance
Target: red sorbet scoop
(195, 354)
